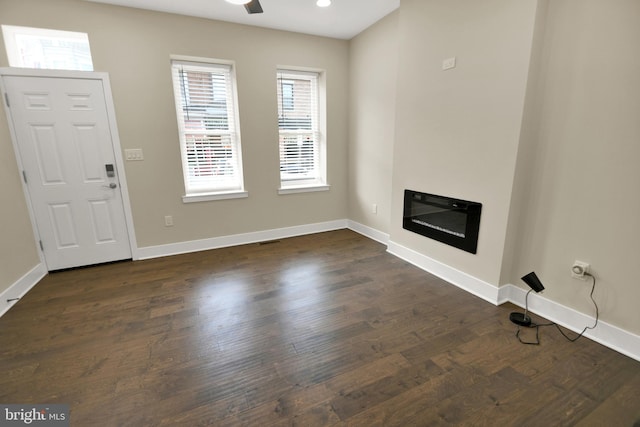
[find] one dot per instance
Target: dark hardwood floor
(325, 329)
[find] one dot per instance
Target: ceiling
(343, 19)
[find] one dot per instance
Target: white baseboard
(475, 286)
(238, 239)
(369, 232)
(21, 287)
(606, 334)
(611, 336)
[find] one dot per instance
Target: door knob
(112, 186)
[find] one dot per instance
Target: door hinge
(41, 246)
(24, 176)
(6, 99)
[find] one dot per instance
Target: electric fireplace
(447, 220)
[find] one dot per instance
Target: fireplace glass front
(452, 221)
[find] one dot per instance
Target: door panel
(36, 100)
(80, 101)
(88, 152)
(101, 221)
(47, 154)
(64, 142)
(62, 220)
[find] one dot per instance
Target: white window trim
(303, 189)
(321, 184)
(205, 197)
(223, 194)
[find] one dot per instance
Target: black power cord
(593, 287)
(527, 323)
(538, 326)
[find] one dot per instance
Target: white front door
(63, 135)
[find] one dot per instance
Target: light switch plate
(133, 154)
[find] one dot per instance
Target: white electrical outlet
(168, 221)
(579, 269)
(374, 208)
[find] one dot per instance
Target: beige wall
(17, 245)
(134, 46)
(542, 114)
(528, 146)
(372, 95)
(457, 131)
(18, 253)
(583, 197)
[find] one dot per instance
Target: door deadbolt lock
(111, 173)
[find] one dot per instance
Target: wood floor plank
(620, 408)
(319, 330)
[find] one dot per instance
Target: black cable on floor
(538, 326)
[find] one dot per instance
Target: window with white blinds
(208, 124)
(301, 145)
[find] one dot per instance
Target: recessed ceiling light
(322, 3)
(239, 1)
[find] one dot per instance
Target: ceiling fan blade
(253, 7)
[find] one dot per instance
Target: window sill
(205, 197)
(303, 189)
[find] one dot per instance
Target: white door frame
(113, 128)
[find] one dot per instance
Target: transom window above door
(29, 47)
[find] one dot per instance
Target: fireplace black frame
(465, 213)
